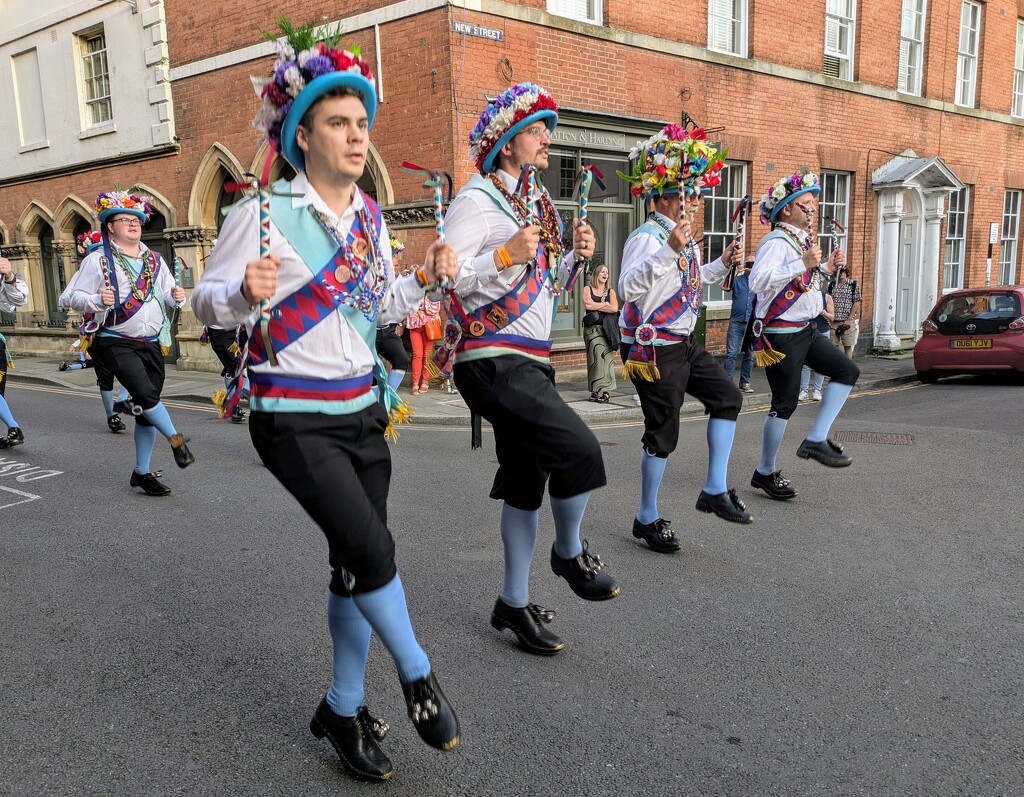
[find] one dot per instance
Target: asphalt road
(864, 639)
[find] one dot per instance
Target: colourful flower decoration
(111, 202)
(784, 191)
(512, 111)
(307, 56)
(88, 242)
(674, 159)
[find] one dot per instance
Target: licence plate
(973, 343)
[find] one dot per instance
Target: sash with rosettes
(124, 311)
(645, 335)
(471, 331)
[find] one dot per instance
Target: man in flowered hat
(325, 278)
(13, 294)
(509, 240)
(785, 281)
(126, 294)
(86, 244)
(661, 284)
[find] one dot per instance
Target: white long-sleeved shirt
(84, 291)
(777, 263)
(13, 294)
(333, 349)
(650, 275)
(475, 226)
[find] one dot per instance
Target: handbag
(432, 329)
(592, 319)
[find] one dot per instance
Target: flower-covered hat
(114, 202)
(672, 159)
(785, 191)
(396, 246)
(511, 112)
(309, 64)
(88, 242)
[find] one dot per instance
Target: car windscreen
(980, 313)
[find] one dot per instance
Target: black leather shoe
(726, 505)
(430, 712)
(658, 535)
(15, 437)
(356, 741)
(182, 456)
(115, 424)
(62, 367)
(585, 574)
(528, 625)
(124, 406)
(238, 415)
(774, 484)
(826, 452)
(149, 484)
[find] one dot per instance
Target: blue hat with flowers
(113, 203)
(512, 111)
(309, 65)
(785, 191)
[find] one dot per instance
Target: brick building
(912, 112)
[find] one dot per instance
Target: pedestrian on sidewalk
(785, 280)
(846, 323)
(13, 294)
(822, 325)
(739, 317)
(313, 418)
(600, 333)
(661, 286)
(86, 244)
(511, 266)
(128, 292)
(424, 325)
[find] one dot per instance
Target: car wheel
(928, 377)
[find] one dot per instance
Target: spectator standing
(742, 302)
(846, 324)
(601, 320)
(420, 323)
(822, 325)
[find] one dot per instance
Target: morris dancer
(313, 418)
(510, 267)
(13, 294)
(660, 284)
(86, 244)
(224, 343)
(128, 293)
(784, 280)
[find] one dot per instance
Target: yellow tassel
(767, 357)
(234, 349)
(165, 350)
(84, 341)
(219, 397)
(648, 372)
(400, 413)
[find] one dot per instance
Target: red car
(975, 329)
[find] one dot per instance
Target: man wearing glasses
(508, 238)
(785, 279)
(126, 292)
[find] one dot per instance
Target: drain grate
(883, 438)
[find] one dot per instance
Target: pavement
(438, 407)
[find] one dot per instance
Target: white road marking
(5, 503)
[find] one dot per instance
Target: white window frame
(734, 176)
(728, 19)
(911, 60)
(1008, 236)
(840, 22)
(95, 80)
(591, 11)
(837, 186)
(955, 249)
(967, 50)
(1017, 105)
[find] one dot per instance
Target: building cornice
(97, 163)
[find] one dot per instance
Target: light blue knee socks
(771, 438)
(5, 414)
(652, 470)
(386, 611)
(568, 514)
(145, 439)
(107, 397)
(832, 401)
(350, 640)
(720, 436)
(159, 417)
(519, 537)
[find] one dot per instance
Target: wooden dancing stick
(584, 180)
(739, 221)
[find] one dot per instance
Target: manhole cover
(883, 438)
